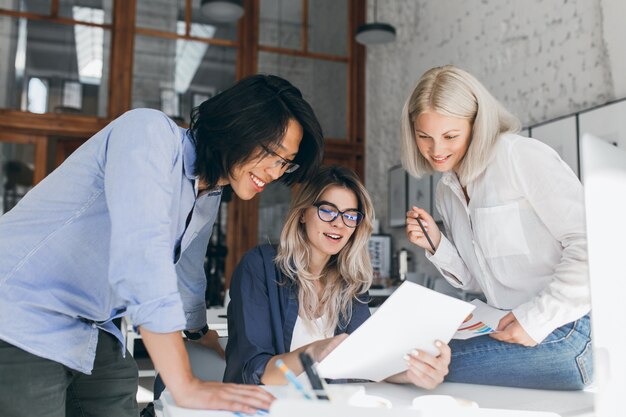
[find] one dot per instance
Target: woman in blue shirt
(121, 229)
(311, 292)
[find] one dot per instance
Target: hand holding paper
(413, 317)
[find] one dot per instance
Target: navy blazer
(262, 314)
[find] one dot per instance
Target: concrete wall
(541, 59)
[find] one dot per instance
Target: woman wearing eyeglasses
(311, 292)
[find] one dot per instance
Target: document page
(483, 320)
(413, 317)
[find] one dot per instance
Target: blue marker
(291, 377)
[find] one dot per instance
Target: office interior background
(68, 67)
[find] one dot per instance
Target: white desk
(564, 403)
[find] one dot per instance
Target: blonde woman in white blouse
(514, 229)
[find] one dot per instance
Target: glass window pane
(16, 172)
(280, 23)
(169, 16)
(273, 208)
(328, 27)
(173, 75)
(323, 83)
(160, 14)
(29, 6)
(92, 11)
(55, 54)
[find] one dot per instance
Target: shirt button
(93, 325)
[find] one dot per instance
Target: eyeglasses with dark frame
(286, 165)
(328, 212)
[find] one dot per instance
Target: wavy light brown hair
(450, 91)
(347, 274)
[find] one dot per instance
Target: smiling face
(251, 177)
(442, 140)
(328, 238)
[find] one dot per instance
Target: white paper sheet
(483, 320)
(413, 317)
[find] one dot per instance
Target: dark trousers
(34, 386)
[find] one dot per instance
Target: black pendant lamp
(375, 32)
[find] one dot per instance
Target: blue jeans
(562, 361)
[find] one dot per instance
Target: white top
(521, 239)
(302, 336)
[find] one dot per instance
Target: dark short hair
(230, 128)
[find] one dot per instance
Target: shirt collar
(449, 178)
(189, 155)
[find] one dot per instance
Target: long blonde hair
(347, 274)
(453, 92)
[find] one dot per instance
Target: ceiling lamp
(222, 10)
(375, 32)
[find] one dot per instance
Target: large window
(181, 56)
(68, 67)
(308, 43)
(55, 61)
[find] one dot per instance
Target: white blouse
(521, 239)
(302, 336)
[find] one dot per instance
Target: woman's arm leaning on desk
(170, 359)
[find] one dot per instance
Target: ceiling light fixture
(375, 32)
(222, 10)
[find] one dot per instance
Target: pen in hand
(425, 233)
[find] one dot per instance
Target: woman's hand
(414, 232)
(423, 369)
(428, 371)
(320, 349)
(509, 330)
(211, 341)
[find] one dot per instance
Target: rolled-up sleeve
(251, 338)
(138, 182)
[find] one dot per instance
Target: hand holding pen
(422, 230)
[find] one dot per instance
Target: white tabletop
(564, 403)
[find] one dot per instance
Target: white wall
(541, 59)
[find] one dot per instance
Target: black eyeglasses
(328, 212)
(286, 165)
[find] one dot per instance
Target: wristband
(197, 335)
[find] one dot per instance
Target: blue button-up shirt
(104, 236)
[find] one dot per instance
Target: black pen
(314, 378)
(425, 234)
